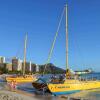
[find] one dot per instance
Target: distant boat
(87, 71)
(70, 84)
(24, 77)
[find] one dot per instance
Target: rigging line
(53, 43)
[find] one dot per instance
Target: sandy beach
(8, 95)
(21, 95)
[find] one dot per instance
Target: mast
(25, 45)
(68, 73)
(66, 9)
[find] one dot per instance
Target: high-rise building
(29, 67)
(2, 59)
(37, 68)
(9, 66)
(16, 64)
(19, 65)
(33, 68)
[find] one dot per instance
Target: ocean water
(90, 94)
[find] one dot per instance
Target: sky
(39, 18)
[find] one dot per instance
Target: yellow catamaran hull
(21, 79)
(72, 86)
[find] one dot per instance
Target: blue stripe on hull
(65, 92)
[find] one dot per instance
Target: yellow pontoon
(19, 79)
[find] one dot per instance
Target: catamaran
(23, 77)
(71, 83)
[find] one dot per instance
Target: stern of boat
(40, 86)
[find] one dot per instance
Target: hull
(72, 86)
(81, 73)
(40, 85)
(65, 92)
(20, 79)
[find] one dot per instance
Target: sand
(21, 95)
(83, 95)
(8, 95)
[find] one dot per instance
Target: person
(61, 78)
(13, 85)
(68, 74)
